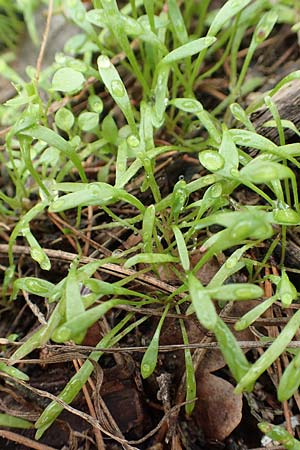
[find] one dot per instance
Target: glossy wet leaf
(230, 266)
(229, 153)
(177, 21)
(36, 251)
(240, 115)
(161, 94)
(95, 103)
(238, 291)
(116, 88)
(67, 80)
(101, 287)
(211, 160)
(229, 10)
(265, 26)
(74, 304)
(286, 216)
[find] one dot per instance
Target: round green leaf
(88, 120)
(64, 119)
(67, 79)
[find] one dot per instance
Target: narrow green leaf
(271, 354)
(233, 355)
(13, 372)
(189, 49)
(237, 291)
(229, 10)
(259, 171)
(202, 303)
(148, 228)
(182, 250)
(177, 21)
(254, 313)
(290, 380)
(150, 258)
(149, 360)
(103, 288)
(74, 304)
(82, 322)
(116, 88)
(32, 285)
(9, 421)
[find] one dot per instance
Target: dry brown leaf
(218, 410)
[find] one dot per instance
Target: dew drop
(103, 62)
(216, 190)
(57, 205)
(231, 263)
(133, 141)
(146, 370)
(190, 105)
(117, 88)
(80, 16)
(242, 293)
(36, 286)
(286, 298)
(62, 334)
(234, 173)
(211, 160)
(117, 253)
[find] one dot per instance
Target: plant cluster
(166, 52)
